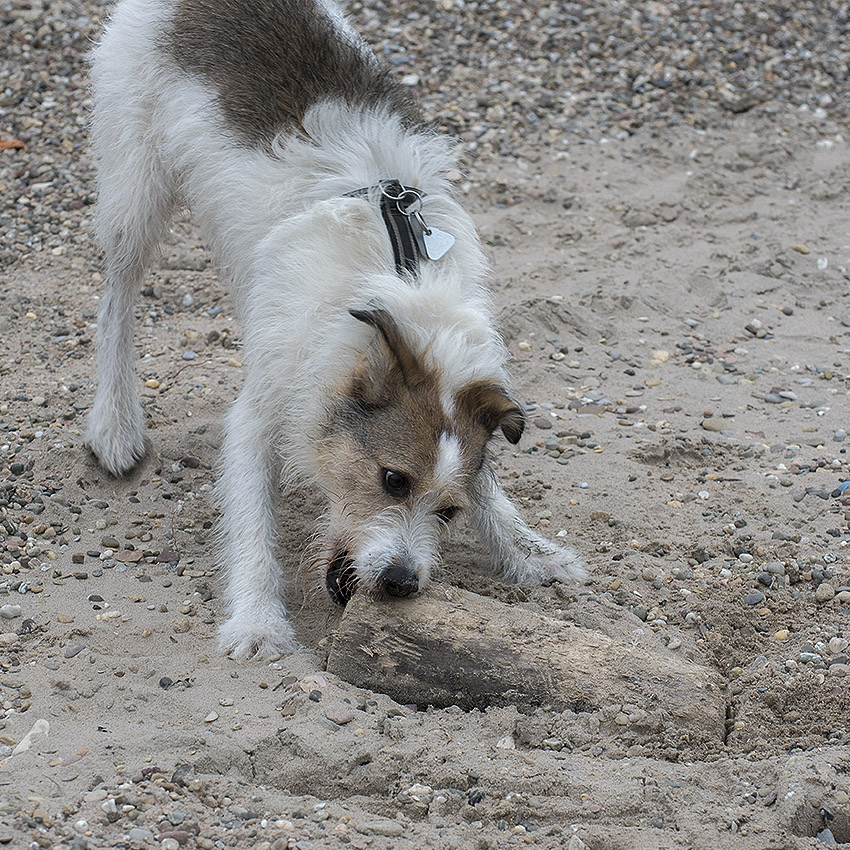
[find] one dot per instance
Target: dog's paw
(540, 562)
(118, 441)
(263, 638)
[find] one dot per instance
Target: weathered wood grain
(451, 647)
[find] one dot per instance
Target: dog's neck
(411, 238)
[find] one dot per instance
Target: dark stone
(474, 796)
(182, 770)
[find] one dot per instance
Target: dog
(373, 367)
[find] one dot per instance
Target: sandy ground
(676, 303)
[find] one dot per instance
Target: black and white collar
(410, 237)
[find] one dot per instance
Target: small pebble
(824, 592)
(838, 644)
(138, 833)
(387, 828)
(339, 713)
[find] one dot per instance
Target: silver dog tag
(432, 242)
(436, 242)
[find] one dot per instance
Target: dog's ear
(411, 371)
(490, 406)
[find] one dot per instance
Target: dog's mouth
(341, 579)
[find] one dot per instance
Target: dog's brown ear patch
(412, 372)
(491, 407)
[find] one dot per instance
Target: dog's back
(270, 60)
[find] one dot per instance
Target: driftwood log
(451, 647)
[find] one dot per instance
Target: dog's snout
(400, 581)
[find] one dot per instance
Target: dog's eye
(447, 514)
(396, 484)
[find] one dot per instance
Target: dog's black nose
(400, 581)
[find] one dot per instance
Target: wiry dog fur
(382, 390)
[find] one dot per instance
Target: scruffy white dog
(373, 368)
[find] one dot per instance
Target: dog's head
(399, 461)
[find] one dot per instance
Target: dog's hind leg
(134, 207)
(517, 552)
(257, 624)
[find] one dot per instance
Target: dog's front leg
(257, 623)
(517, 552)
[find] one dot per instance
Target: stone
(838, 644)
(825, 592)
(339, 713)
(138, 833)
(826, 837)
(387, 828)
